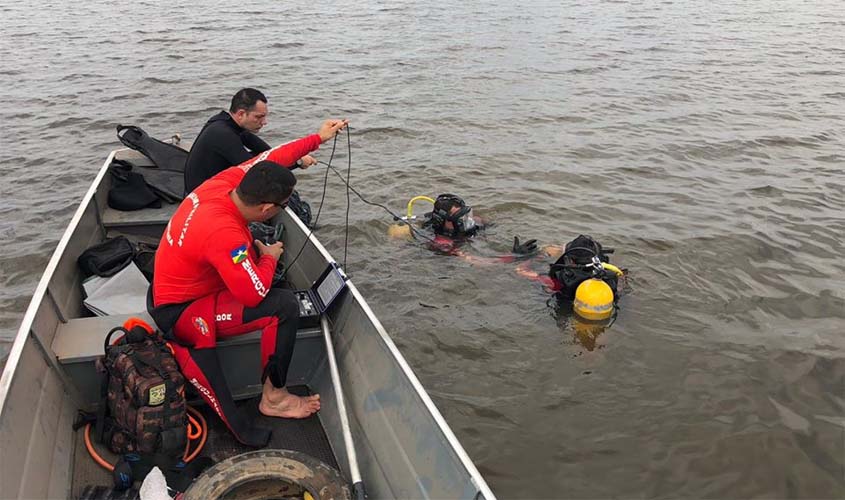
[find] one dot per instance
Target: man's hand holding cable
(306, 161)
(275, 250)
(330, 128)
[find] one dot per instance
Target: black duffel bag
(300, 207)
(107, 258)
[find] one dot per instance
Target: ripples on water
(702, 140)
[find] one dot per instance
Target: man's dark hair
(245, 99)
(266, 182)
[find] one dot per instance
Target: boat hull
(404, 447)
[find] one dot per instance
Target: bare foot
(281, 403)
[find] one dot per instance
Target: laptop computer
(316, 300)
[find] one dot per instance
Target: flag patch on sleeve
(239, 254)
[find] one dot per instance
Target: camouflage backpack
(143, 394)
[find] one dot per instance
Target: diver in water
(585, 287)
(453, 223)
(581, 276)
(584, 284)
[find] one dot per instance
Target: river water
(702, 140)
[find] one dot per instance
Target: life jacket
(577, 264)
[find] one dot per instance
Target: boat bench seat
(145, 217)
(79, 342)
(143, 225)
(81, 339)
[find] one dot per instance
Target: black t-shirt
(222, 143)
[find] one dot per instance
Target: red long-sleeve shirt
(207, 246)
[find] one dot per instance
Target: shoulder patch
(239, 254)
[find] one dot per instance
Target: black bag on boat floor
(145, 259)
(129, 191)
(300, 207)
(107, 258)
(143, 407)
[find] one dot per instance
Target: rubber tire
(322, 481)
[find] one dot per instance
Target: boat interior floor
(303, 435)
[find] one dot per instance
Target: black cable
(348, 176)
(325, 181)
(307, 237)
(349, 188)
(314, 224)
(368, 202)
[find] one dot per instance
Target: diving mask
(467, 222)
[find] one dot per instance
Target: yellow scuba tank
(402, 229)
(593, 300)
(399, 231)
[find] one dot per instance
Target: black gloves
(526, 248)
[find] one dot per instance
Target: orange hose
(193, 428)
(91, 451)
(201, 433)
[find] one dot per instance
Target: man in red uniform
(210, 282)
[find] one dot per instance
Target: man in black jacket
(228, 138)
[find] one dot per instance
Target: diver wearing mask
(452, 218)
(453, 223)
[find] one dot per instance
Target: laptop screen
(330, 286)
